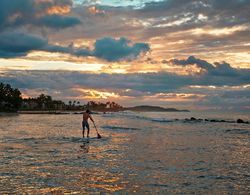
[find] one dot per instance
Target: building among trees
(42, 102)
(11, 101)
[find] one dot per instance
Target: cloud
(192, 60)
(9, 11)
(56, 21)
(161, 82)
(115, 50)
(216, 69)
(212, 9)
(169, 21)
(107, 48)
(220, 86)
(237, 94)
(17, 44)
(49, 13)
(160, 88)
(19, 18)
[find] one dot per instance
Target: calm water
(139, 153)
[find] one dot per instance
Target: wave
(162, 120)
(136, 116)
(238, 131)
(108, 127)
(131, 115)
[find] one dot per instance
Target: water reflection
(143, 157)
(85, 146)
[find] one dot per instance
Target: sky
(187, 54)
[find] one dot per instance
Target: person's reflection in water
(85, 146)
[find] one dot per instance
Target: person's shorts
(85, 124)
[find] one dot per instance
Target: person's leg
(87, 125)
(83, 129)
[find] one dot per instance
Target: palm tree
(10, 99)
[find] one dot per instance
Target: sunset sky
(188, 54)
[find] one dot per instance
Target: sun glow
(95, 94)
(59, 10)
(94, 10)
(219, 31)
(177, 97)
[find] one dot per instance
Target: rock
(240, 121)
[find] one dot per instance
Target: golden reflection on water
(52, 191)
(85, 147)
(111, 188)
(100, 179)
(44, 154)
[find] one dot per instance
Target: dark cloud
(19, 44)
(192, 60)
(8, 9)
(35, 13)
(107, 48)
(230, 4)
(165, 5)
(216, 69)
(16, 44)
(56, 21)
(114, 50)
(16, 13)
(228, 11)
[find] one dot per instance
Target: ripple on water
(45, 154)
(120, 128)
(238, 131)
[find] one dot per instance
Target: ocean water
(140, 153)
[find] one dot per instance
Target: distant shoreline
(80, 112)
(104, 110)
(146, 108)
(143, 108)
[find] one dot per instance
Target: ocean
(139, 153)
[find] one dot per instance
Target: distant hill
(145, 108)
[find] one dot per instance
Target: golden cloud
(59, 10)
(94, 10)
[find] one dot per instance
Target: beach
(138, 153)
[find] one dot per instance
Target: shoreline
(81, 112)
(97, 112)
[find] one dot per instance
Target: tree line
(11, 101)
(10, 98)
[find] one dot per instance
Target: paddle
(98, 135)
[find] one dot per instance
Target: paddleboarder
(87, 115)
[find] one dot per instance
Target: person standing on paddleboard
(86, 115)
